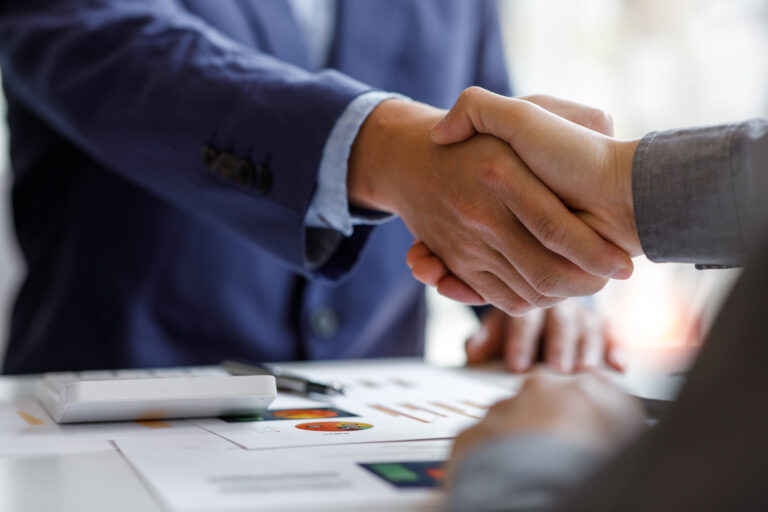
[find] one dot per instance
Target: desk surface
(103, 480)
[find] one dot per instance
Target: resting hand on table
(569, 337)
(588, 410)
(588, 170)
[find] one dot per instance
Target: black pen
(285, 381)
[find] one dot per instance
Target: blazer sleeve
(692, 192)
(156, 95)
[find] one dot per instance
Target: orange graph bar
(31, 420)
(475, 404)
(392, 412)
(456, 410)
(424, 409)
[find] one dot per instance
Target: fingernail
(478, 338)
(521, 364)
(622, 273)
(619, 358)
(566, 364)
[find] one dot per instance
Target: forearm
(691, 192)
(143, 86)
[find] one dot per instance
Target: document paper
(197, 472)
(382, 404)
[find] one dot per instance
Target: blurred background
(653, 64)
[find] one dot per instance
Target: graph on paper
(390, 403)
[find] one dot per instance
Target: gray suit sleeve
(527, 472)
(691, 192)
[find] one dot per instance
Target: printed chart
(404, 475)
(193, 473)
(398, 404)
(290, 414)
(334, 426)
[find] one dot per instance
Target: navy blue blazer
(165, 153)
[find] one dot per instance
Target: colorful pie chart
(334, 426)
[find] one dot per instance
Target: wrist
(624, 153)
(387, 147)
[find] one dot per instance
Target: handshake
(520, 203)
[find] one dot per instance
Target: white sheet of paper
(194, 472)
(388, 403)
(26, 429)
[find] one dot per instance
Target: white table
(104, 481)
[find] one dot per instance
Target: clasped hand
(567, 150)
(511, 204)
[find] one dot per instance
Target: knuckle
(552, 232)
(546, 281)
(518, 307)
(476, 218)
(468, 252)
(492, 172)
(470, 93)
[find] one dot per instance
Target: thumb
(476, 110)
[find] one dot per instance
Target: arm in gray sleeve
(691, 191)
(528, 472)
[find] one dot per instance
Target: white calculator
(121, 395)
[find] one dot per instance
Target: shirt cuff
(330, 207)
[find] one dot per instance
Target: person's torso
(120, 278)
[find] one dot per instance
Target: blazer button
(324, 323)
(244, 173)
(226, 165)
(208, 155)
(263, 179)
(240, 171)
(232, 168)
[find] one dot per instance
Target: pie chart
(334, 426)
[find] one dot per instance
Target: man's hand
(569, 337)
(478, 207)
(588, 170)
(588, 410)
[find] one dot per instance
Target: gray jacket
(699, 197)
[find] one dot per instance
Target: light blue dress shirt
(330, 206)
